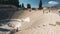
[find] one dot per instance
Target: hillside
(40, 22)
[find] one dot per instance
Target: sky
(35, 3)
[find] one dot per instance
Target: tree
(15, 2)
(40, 4)
(28, 6)
(22, 5)
(10, 2)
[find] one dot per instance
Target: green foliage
(40, 4)
(10, 2)
(28, 6)
(20, 5)
(23, 5)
